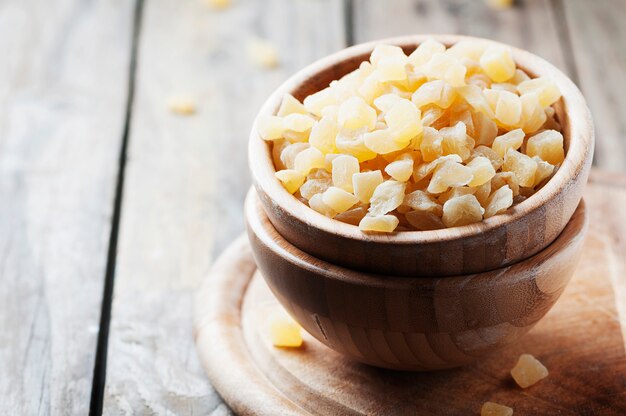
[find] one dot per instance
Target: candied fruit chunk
(497, 62)
(528, 371)
(270, 127)
(446, 67)
(355, 146)
(533, 115)
(401, 169)
(482, 171)
(338, 199)
(505, 178)
(455, 141)
(355, 113)
(352, 216)
(317, 203)
(343, 167)
(386, 197)
(462, 210)
(381, 52)
(291, 179)
(284, 331)
(508, 108)
(314, 186)
(490, 408)
(431, 145)
(309, 159)
(290, 105)
(455, 192)
(424, 221)
(547, 91)
(485, 129)
(315, 103)
(469, 49)
(365, 183)
(380, 223)
(425, 52)
(548, 146)
(323, 134)
(488, 152)
(434, 92)
(475, 97)
(382, 142)
(289, 153)
(511, 140)
(403, 119)
(499, 201)
(544, 170)
(421, 201)
(522, 166)
(449, 174)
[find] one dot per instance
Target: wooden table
(112, 208)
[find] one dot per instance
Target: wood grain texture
(526, 228)
(579, 340)
(598, 38)
(529, 25)
(185, 182)
(413, 323)
(63, 87)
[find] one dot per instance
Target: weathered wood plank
(598, 36)
(529, 25)
(63, 87)
(186, 179)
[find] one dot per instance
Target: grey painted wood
(186, 179)
(598, 37)
(529, 25)
(63, 87)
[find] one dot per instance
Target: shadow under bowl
(524, 230)
(413, 323)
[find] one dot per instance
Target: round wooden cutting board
(580, 341)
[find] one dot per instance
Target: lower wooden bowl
(413, 323)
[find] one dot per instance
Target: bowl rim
(258, 223)
(576, 123)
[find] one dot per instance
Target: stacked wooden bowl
(421, 300)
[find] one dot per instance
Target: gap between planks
(99, 373)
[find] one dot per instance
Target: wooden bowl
(504, 239)
(413, 323)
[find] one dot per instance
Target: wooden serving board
(581, 341)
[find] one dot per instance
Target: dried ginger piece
(528, 371)
(495, 409)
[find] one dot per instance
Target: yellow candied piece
(277, 148)
(462, 113)
(456, 141)
(298, 123)
(426, 169)
(470, 49)
(490, 408)
(289, 153)
(480, 80)
(505, 178)
(317, 203)
(309, 159)
(499, 201)
(434, 92)
(424, 221)
(392, 68)
(508, 108)
(485, 129)
(482, 171)
(476, 98)
(338, 200)
(504, 86)
(489, 153)
(386, 197)
(270, 127)
(544, 170)
(528, 371)
(420, 201)
(380, 223)
(455, 193)
(519, 77)
(433, 115)
(290, 105)
(445, 67)
(315, 103)
(482, 193)
(548, 146)
(511, 140)
(355, 146)
(431, 145)
(425, 51)
(386, 101)
(522, 166)
(383, 142)
(355, 114)
(462, 210)
(323, 134)
(291, 179)
(284, 331)
(371, 88)
(533, 115)
(364, 184)
(381, 52)
(497, 62)
(449, 174)
(415, 79)
(352, 216)
(343, 167)
(313, 187)
(404, 121)
(401, 169)
(545, 88)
